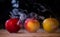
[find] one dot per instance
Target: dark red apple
(11, 25)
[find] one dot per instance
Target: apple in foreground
(11, 25)
(32, 25)
(50, 24)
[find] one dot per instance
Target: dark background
(5, 7)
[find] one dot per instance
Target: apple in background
(11, 25)
(31, 25)
(50, 24)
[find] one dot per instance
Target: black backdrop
(5, 7)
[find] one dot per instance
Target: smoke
(21, 14)
(13, 1)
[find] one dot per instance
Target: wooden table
(24, 33)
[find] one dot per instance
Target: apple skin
(32, 25)
(50, 24)
(11, 25)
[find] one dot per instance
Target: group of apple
(31, 25)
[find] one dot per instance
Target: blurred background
(6, 7)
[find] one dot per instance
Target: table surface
(24, 33)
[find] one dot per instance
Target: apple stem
(10, 16)
(50, 16)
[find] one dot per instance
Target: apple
(31, 25)
(50, 24)
(11, 25)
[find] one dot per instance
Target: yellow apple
(32, 25)
(50, 24)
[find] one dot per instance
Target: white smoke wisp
(16, 5)
(32, 14)
(15, 11)
(12, 15)
(13, 1)
(43, 7)
(41, 17)
(22, 15)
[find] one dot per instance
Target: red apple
(11, 25)
(31, 25)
